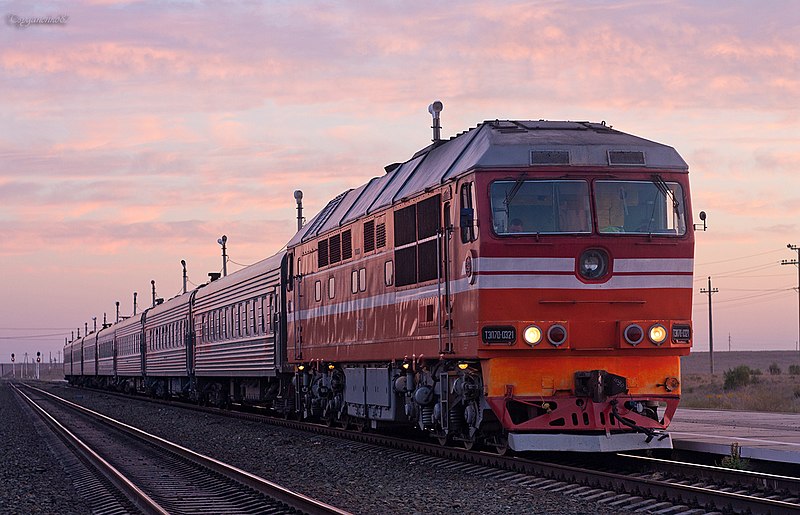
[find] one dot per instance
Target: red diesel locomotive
(522, 285)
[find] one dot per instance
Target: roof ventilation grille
(626, 157)
(549, 157)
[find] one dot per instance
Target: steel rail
(621, 483)
(296, 500)
(774, 482)
(140, 499)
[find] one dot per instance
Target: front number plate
(681, 333)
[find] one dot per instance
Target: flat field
(771, 384)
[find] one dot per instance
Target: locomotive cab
(584, 281)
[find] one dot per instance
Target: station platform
(761, 436)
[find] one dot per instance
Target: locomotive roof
(493, 144)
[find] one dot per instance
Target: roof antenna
(435, 108)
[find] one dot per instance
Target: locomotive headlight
(593, 264)
(532, 335)
(463, 366)
(634, 334)
(657, 334)
(301, 367)
(557, 334)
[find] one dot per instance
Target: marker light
(463, 366)
(634, 334)
(406, 365)
(331, 366)
(532, 335)
(557, 334)
(301, 367)
(657, 334)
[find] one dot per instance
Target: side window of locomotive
(467, 214)
(388, 273)
(318, 291)
(354, 282)
(640, 207)
(331, 287)
(540, 207)
(362, 279)
(416, 229)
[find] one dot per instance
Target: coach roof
(493, 144)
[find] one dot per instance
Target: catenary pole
(710, 291)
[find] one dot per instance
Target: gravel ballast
(32, 476)
(368, 480)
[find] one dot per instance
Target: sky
(135, 134)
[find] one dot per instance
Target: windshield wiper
(514, 190)
(668, 193)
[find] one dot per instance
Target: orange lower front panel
(539, 393)
(541, 376)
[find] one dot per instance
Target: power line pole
(795, 262)
(710, 291)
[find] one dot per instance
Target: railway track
(157, 476)
(621, 480)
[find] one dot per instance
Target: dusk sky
(134, 134)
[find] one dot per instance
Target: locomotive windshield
(564, 207)
(540, 207)
(639, 207)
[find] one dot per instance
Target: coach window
(331, 287)
(252, 314)
(318, 291)
(354, 282)
(246, 318)
(265, 310)
(242, 319)
(388, 273)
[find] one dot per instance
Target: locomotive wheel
(358, 424)
(470, 443)
(443, 439)
(501, 445)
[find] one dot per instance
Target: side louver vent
(549, 157)
(626, 157)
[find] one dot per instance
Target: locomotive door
(446, 242)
